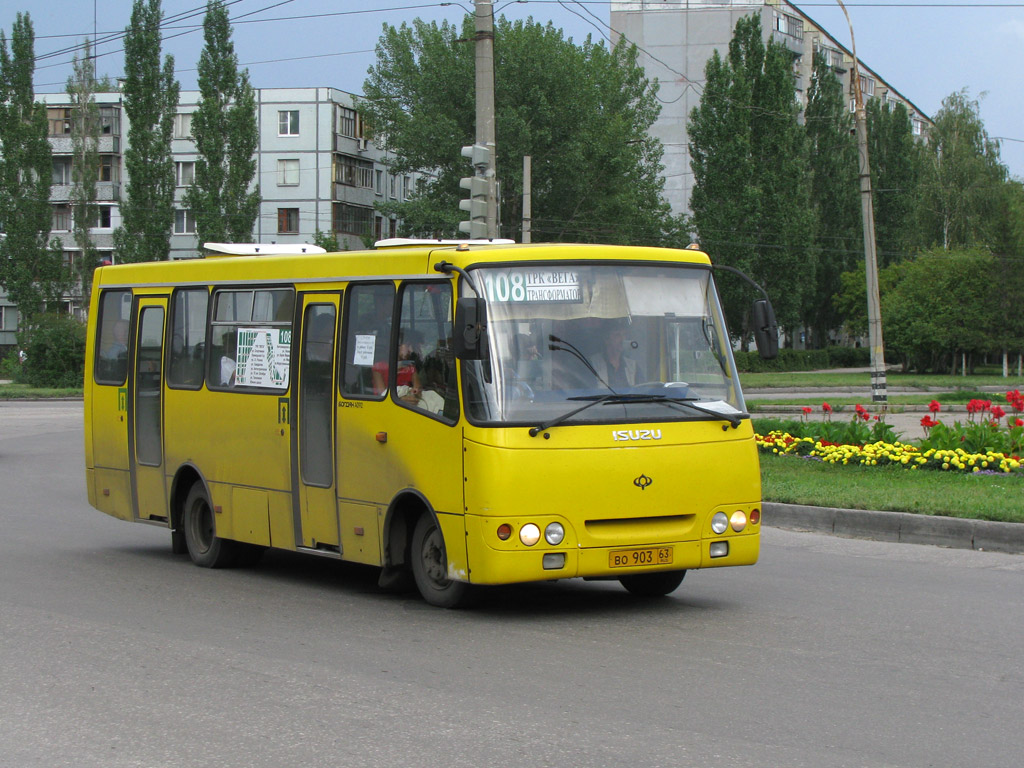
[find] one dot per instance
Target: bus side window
(425, 327)
(188, 338)
(111, 361)
(369, 313)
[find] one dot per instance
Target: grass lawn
(833, 379)
(797, 480)
(957, 397)
(14, 391)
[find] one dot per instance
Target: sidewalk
(953, 532)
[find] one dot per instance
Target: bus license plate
(632, 558)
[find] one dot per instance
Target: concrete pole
(527, 203)
(878, 390)
(485, 132)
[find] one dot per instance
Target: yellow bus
(464, 413)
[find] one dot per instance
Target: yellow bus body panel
(608, 496)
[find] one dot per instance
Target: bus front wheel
(430, 567)
(653, 584)
(204, 546)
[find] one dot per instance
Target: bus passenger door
(313, 438)
(145, 412)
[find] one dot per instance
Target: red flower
(1019, 423)
(934, 406)
(826, 408)
(997, 412)
(866, 416)
(928, 422)
(860, 408)
(807, 409)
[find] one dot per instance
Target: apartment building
(315, 167)
(676, 38)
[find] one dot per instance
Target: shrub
(55, 349)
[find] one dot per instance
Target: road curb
(936, 530)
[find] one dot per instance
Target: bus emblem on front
(642, 482)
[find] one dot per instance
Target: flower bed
(982, 445)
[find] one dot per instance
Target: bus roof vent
(409, 242)
(216, 250)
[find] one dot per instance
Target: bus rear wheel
(204, 546)
(430, 567)
(653, 584)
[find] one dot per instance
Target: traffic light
(476, 204)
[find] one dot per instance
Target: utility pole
(485, 106)
(878, 393)
(527, 197)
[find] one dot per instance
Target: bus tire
(206, 549)
(430, 567)
(656, 584)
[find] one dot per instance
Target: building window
(917, 127)
(60, 121)
(349, 123)
(789, 25)
(183, 125)
(353, 219)
(102, 217)
(378, 185)
(110, 121)
(61, 218)
(287, 173)
(353, 172)
(184, 174)
(406, 187)
(184, 222)
(393, 184)
(288, 221)
(288, 122)
(109, 169)
(61, 170)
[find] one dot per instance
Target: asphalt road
(829, 652)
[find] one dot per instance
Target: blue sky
(926, 48)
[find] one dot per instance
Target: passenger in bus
(228, 365)
(612, 365)
(407, 378)
(117, 346)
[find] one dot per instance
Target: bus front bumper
(541, 562)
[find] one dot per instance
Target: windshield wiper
(688, 402)
(592, 401)
(620, 399)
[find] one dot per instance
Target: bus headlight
(554, 533)
(529, 534)
(738, 521)
(719, 522)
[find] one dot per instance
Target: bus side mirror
(766, 330)
(470, 338)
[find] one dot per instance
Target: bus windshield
(641, 342)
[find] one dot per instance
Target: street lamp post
(878, 394)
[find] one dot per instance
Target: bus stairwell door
(145, 411)
(315, 507)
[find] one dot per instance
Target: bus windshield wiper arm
(592, 400)
(688, 402)
(617, 399)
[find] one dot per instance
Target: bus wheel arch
(414, 542)
(186, 476)
(198, 524)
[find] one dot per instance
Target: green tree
(940, 305)
(838, 232)
(150, 95)
(751, 204)
(895, 172)
(580, 111)
(962, 178)
(226, 136)
(85, 164)
(31, 268)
